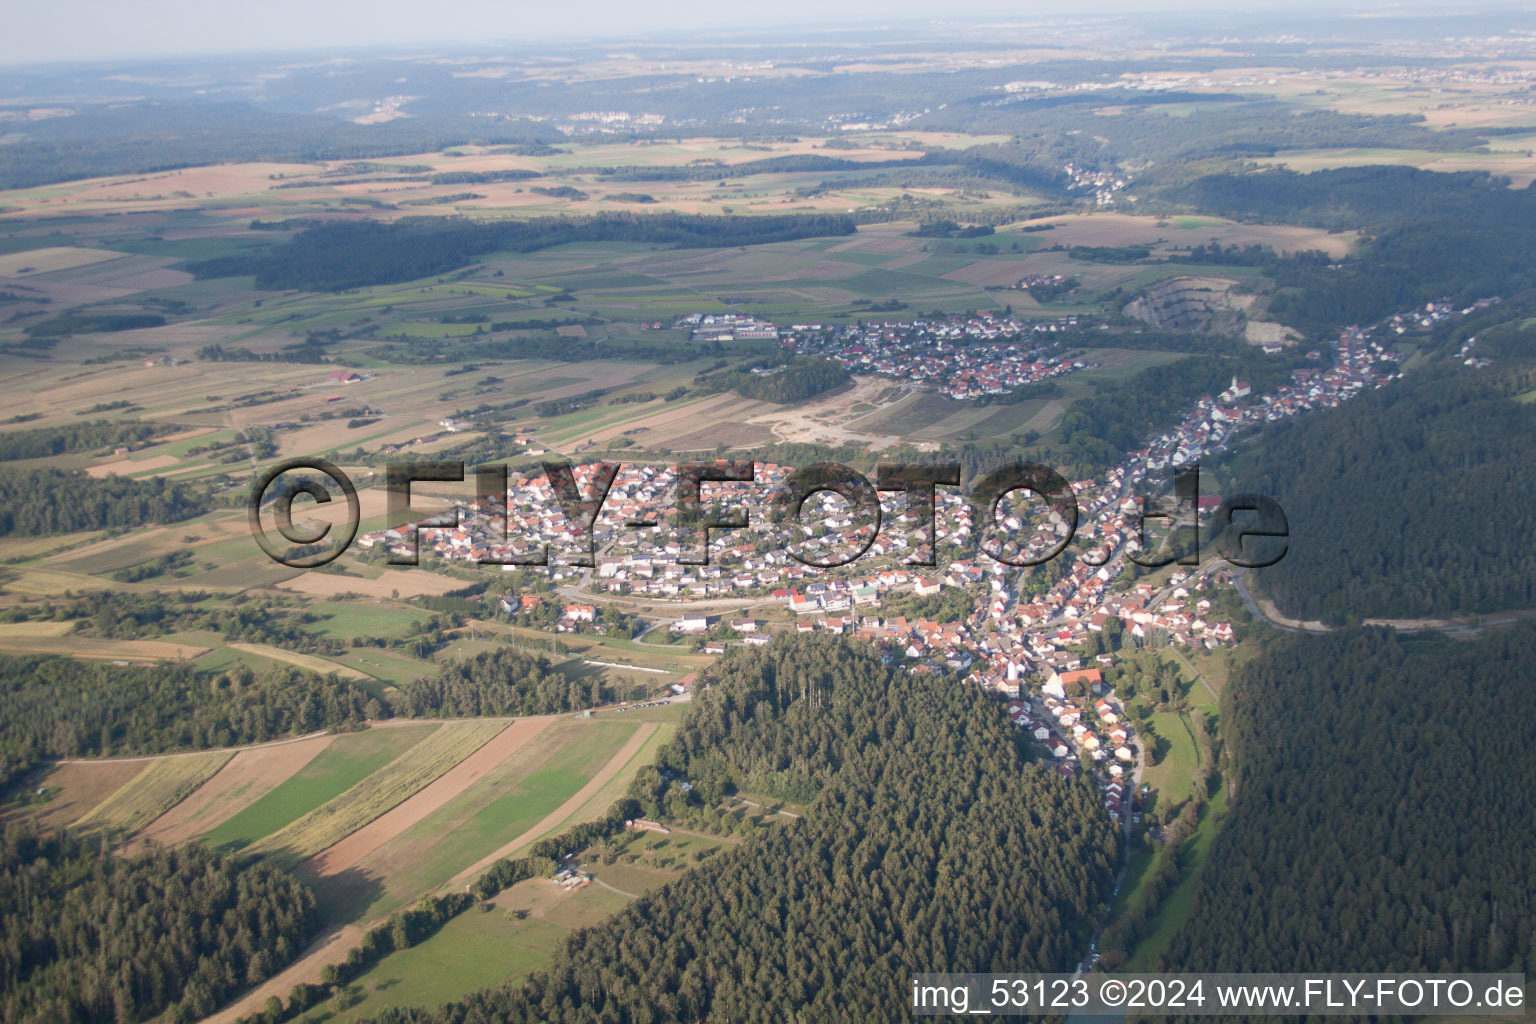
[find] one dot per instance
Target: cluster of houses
(1105, 186)
(962, 357)
(647, 560)
(1432, 313)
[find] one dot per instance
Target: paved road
(1253, 607)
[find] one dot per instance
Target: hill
(1401, 502)
(1379, 821)
(929, 844)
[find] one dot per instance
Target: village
(945, 354)
(1040, 649)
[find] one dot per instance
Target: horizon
(53, 35)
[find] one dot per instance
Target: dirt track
(330, 948)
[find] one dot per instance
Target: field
(248, 776)
(533, 778)
(1173, 776)
(1176, 906)
(43, 261)
(389, 583)
(479, 949)
(346, 761)
(523, 924)
(508, 740)
(72, 788)
(448, 834)
(580, 784)
(163, 783)
(339, 817)
(13, 631)
(305, 661)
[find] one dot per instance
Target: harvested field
(145, 651)
(149, 280)
(985, 272)
(730, 434)
(27, 630)
(161, 785)
(127, 467)
(408, 583)
(831, 418)
(42, 261)
(249, 775)
(445, 787)
(305, 661)
(78, 786)
(395, 782)
(655, 421)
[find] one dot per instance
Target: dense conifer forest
(89, 937)
(1382, 809)
(505, 681)
(37, 502)
(1403, 502)
(929, 844)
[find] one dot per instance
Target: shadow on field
(343, 898)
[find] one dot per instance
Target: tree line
(504, 681)
(797, 380)
(55, 707)
(41, 442)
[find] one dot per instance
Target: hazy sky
(54, 30)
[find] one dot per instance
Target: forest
(41, 442)
(338, 256)
(795, 381)
(1429, 236)
(1405, 501)
(38, 502)
(930, 843)
(505, 681)
(90, 937)
(54, 707)
(1380, 817)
